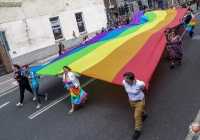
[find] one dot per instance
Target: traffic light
(126, 8)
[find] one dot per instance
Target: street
(172, 104)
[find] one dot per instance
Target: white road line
(56, 101)
(197, 119)
(8, 91)
(14, 88)
(6, 81)
(4, 105)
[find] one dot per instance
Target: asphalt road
(172, 104)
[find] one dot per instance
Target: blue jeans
(36, 94)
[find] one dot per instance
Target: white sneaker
(39, 105)
(46, 97)
(34, 98)
(19, 104)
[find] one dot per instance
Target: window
(140, 5)
(80, 22)
(131, 8)
(150, 4)
(55, 24)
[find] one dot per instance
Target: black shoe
(179, 62)
(136, 134)
(172, 66)
(143, 118)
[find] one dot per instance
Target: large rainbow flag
(135, 48)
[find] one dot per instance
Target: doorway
(160, 5)
(2, 69)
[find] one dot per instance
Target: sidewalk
(7, 81)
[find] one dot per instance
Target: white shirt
(134, 91)
(73, 78)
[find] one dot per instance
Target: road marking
(197, 119)
(14, 87)
(56, 101)
(4, 105)
(48, 58)
(8, 91)
(6, 81)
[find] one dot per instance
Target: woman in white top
(78, 95)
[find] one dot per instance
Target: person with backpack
(32, 76)
(23, 83)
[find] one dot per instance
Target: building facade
(115, 8)
(32, 26)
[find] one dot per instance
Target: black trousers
(191, 33)
(22, 89)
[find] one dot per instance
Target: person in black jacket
(187, 20)
(61, 47)
(23, 83)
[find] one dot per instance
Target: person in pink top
(198, 4)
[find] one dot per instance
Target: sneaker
(46, 97)
(39, 105)
(34, 98)
(19, 104)
(136, 134)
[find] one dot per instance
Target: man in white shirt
(136, 98)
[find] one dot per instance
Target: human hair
(175, 32)
(16, 66)
(168, 29)
(25, 66)
(67, 68)
(130, 75)
(188, 13)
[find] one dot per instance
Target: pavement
(8, 83)
(172, 104)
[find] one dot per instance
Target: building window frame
(57, 28)
(80, 23)
(140, 5)
(150, 4)
(131, 8)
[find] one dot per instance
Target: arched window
(150, 4)
(140, 5)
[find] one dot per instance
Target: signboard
(10, 4)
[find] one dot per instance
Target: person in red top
(198, 4)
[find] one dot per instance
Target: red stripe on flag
(145, 61)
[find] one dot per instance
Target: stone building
(32, 27)
(115, 8)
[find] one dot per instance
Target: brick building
(5, 65)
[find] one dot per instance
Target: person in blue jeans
(32, 76)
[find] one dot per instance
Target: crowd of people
(27, 79)
(173, 46)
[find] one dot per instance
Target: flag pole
(185, 30)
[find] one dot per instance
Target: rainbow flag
(191, 25)
(135, 48)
